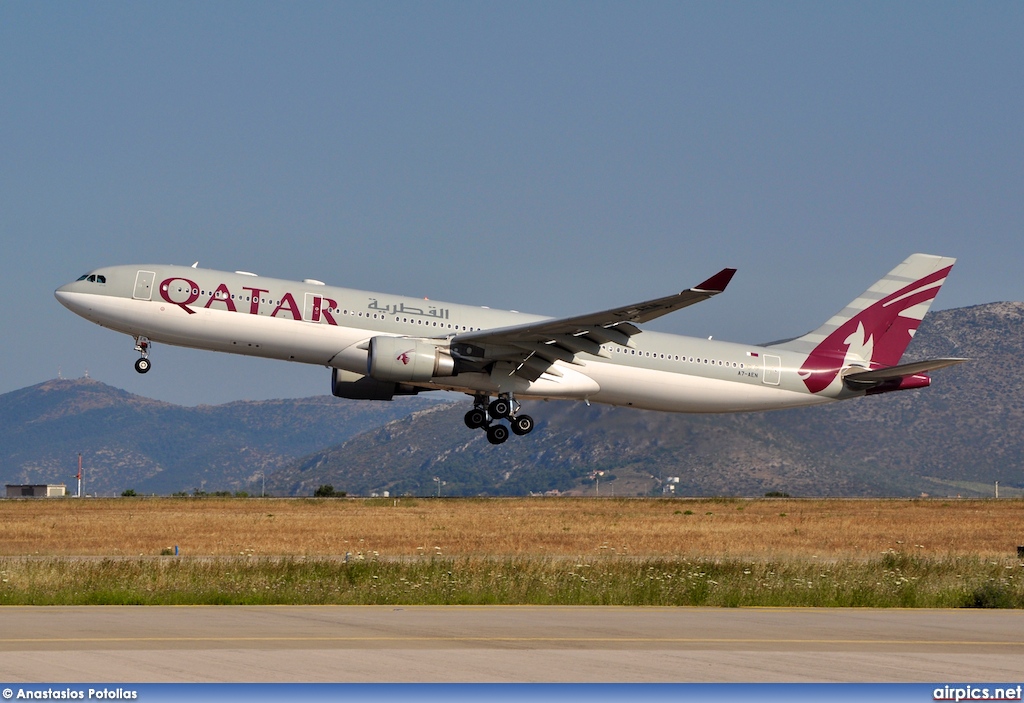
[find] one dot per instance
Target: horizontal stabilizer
(901, 371)
(904, 377)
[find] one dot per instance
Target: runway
(507, 644)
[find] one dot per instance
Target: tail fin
(874, 330)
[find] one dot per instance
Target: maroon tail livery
(872, 332)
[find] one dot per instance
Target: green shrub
(992, 595)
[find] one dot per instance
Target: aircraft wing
(535, 346)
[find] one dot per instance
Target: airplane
(379, 346)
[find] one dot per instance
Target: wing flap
(579, 343)
(533, 367)
(551, 352)
(608, 335)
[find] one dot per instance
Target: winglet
(717, 283)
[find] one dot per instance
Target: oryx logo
(878, 334)
(403, 357)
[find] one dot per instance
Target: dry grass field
(725, 552)
(766, 529)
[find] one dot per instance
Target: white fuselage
(312, 323)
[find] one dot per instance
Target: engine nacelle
(345, 384)
(404, 360)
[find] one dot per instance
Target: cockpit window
(83, 277)
(101, 279)
(93, 278)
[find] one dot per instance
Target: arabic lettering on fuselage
(403, 309)
(186, 293)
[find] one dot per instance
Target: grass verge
(893, 580)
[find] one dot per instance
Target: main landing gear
(504, 407)
(142, 365)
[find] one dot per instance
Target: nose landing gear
(483, 415)
(143, 364)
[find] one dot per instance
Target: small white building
(39, 490)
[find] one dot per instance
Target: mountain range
(957, 437)
(131, 442)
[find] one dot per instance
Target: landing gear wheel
(500, 408)
(477, 417)
(142, 365)
(522, 424)
(496, 434)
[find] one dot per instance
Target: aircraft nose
(61, 294)
(66, 296)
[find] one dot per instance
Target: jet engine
(345, 384)
(405, 360)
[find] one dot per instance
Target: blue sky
(550, 157)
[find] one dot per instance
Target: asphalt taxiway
(506, 644)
